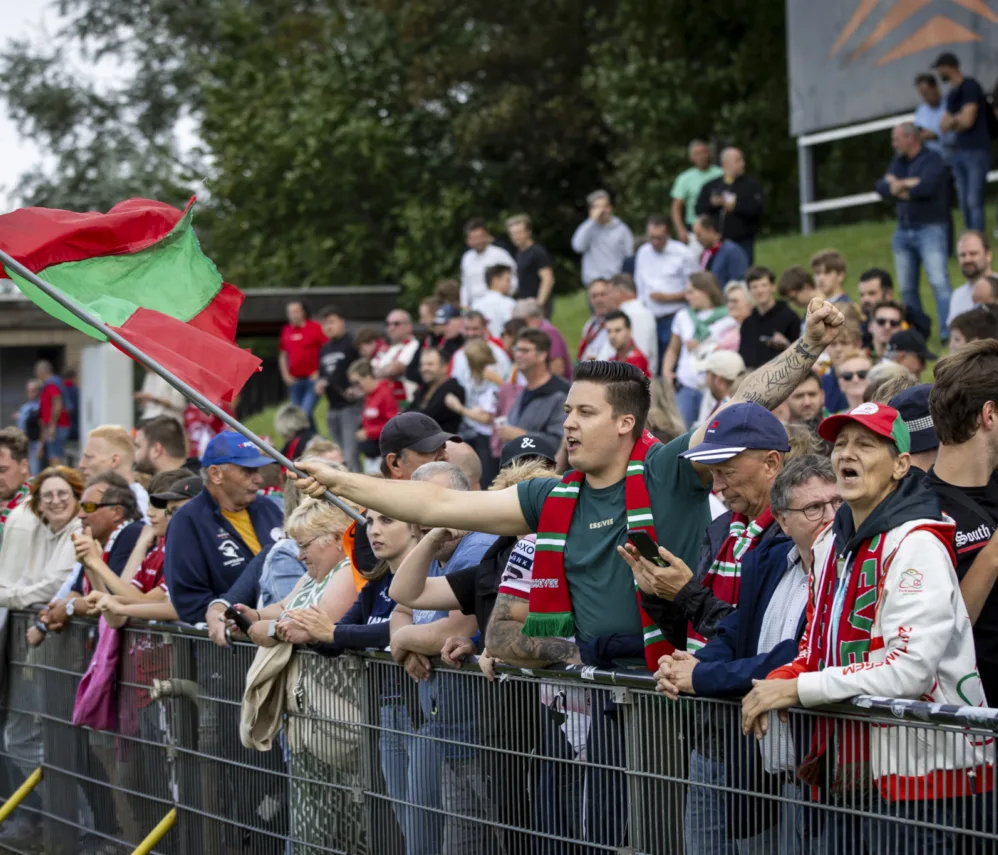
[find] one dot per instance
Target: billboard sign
(855, 60)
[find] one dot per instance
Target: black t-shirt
(434, 407)
(779, 319)
(476, 588)
(970, 92)
(529, 264)
(975, 510)
(447, 347)
(334, 359)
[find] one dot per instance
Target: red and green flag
(140, 270)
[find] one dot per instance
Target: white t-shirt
(497, 308)
(153, 384)
(682, 325)
(480, 395)
(644, 331)
(662, 272)
(473, 266)
(142, 497)
(403, 353)
(960, 301)
(460, 371)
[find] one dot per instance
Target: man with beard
(973, 251)
(807, 402)
(160, 446)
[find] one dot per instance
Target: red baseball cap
(882, 420)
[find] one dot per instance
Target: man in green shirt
(604, 417)
(687, 186)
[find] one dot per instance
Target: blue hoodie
(206, 556)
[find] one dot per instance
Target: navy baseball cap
(232, 447)
(913, 407)
(446, 313)
(736, 429)
(529, 445)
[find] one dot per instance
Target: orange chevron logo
(936, 32)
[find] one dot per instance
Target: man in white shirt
(496, 304)
(643, 326)
(661, 268)
(391, 363)
(159, 398)
(482, 254)
(973, 251)
(475, 326)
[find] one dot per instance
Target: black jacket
(743, 222)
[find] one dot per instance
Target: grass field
(864, 245)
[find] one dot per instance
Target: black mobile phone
(645, 545)
(239, 619)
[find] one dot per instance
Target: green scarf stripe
(566, 490)
(550, 545)
(635, 467)
(653, 635)
(643, 515)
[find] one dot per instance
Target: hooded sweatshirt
(921, 644)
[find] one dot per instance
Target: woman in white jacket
(885, 618)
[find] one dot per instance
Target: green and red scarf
(550, 603)
(831, 642)
(725, 574)
(22, 493)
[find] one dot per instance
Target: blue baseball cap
(913, 407)
(736, 429)
(232, 447)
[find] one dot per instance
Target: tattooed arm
(505, 639)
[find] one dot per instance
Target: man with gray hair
(758, 636)
(735, 202)
(916, 182)
(603, 240)
(448, 777)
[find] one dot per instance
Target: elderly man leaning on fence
(758, 636)
(885, 618)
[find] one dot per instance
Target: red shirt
(150, 572)
(45, 403)
(636, 358)
(302, 345)
(380, 407)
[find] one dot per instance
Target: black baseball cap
(529, 445)
(909, 341)
(416, 431)
(950, 60)
(186, 488)
(913, 406)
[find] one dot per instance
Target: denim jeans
(343, 424)
(918, 247)
(706, 820)
(688, 401)
(411, 765)
(787, 835)
(970, 169)
(302, 394)
(663, 330)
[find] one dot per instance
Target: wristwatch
(272, 629)
(71, 607)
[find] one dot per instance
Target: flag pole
(178, 384)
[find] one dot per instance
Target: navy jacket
(729, 662)
(365, 625)
(206, 556)
(728, 263)
(928, 204)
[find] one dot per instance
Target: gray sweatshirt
(603, 248)
(541, 410)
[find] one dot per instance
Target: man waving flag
(140, 270)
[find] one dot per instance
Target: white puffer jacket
(922, 648)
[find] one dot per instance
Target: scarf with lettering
(22, 493)
(550, 604)
(831, 641)
(594, 326)
(724, 575)
(701, 326)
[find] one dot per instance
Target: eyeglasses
(815, 510)
(887, 322)
(848, 375)
(53, 498)
(90, 507)
(303, 547)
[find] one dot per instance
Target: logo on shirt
(981, 535)
(230, 552)
(911, 582)
(275, 534)
(602, 523)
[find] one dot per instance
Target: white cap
(726, 364)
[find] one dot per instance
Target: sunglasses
(90, 507)
(887, 322)
(848, 375)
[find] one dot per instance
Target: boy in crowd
(829, 268)
(771, 326)
(496, 304)
(618, 332)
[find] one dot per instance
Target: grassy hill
(864, 245)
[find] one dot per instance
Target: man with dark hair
(807, 402)
(661, 268)
(345, 406)
(53, 415)
(875, 286)
(160, 445)
(496, 304)
(603, 240)
(735, 200)
(966, 117)
(481, 254)
(538, 407)
(618, 331)
(298, 355)
(977, 324)
(14, 472)
(929, 115)
(533, 264)
(724, 258)
(886, 319)
(963, 404)
(797, 285)
(771, 326)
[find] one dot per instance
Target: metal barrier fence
(548, 763)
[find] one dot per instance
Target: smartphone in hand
(646, 546)
(239, 619)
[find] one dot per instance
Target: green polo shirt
(600, 583)
(688, 185)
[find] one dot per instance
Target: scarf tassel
(549, 625)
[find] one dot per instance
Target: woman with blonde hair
(479, 407)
